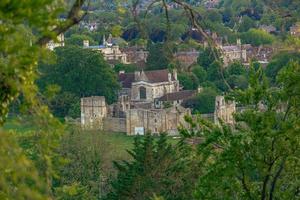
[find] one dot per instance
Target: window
(143, 94)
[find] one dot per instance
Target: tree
(257, 37)
(77, 40)
(204, 102)
(157, 169)
(246, 24)
(278, 62)
(205, 58)
(125, 67)
(257, 157)
(188, 80)
(25, 29)
(157, 58)
(200, 73)
(79, 73)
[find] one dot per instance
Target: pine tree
(158, 168)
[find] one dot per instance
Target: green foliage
(79, 73)
(18, 172)
(206, 58)
(200, 73)
(157, 58)
(257, 37)
(157, 168)
(256, 156)
(124, 67)
(188, 80)
(204, 102)
(246, 24)
(77, 40)
(278, 62)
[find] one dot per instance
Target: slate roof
(156, 76)
(181, 95)
(126, 79)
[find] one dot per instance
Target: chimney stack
(86, 43)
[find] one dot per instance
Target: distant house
(232, 53)
(295, 30)
(136, 55)
(60, 42)
(209, 4)
(110, 51)
(268, 28)
(187, 58)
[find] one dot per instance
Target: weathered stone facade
(187, 58)
(155, 120)
(60, 42)
(110, 51)
(93, 110)
(140, 107)
(295, 30)
(233, 53)
(224, 110)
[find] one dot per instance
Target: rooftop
(181, 95)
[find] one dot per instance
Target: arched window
(143, 94)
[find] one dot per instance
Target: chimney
(86, 43)
(199, 89)
(238, 42)
(136, 75)
(169, 77)
(175, 74)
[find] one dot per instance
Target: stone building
(145, 86)
(175, 98)
(136, 55)
(210, 4)
(295, 30)
(111, 52)
(93, 110)
(155, 121)
(60, 42)
(233, 53)
(224, 110)
(187, 58)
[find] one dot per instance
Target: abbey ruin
(149, 101)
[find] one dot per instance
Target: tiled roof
(181, 95)
(156, 76)
(126, 79)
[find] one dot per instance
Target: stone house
(187, 58)
(110, 51)
(268, 28)
(295, 30)
(233, 53)
(210, 4)
(136, 55)
(60, 42)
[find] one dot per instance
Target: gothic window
(143, 94)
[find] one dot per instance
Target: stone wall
(156, 120)
(113, 124)
(93, 110)
(153, 91)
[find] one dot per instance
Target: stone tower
(93, 110)
(224, 110)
